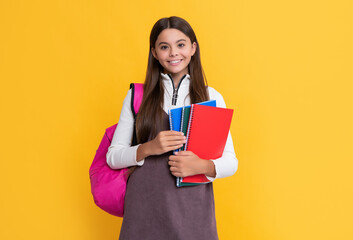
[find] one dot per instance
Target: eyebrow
(175, 42)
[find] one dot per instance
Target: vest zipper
(175, 90)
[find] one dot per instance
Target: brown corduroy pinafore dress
(156, 209)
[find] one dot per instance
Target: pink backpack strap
(109, 132)
(136, 97)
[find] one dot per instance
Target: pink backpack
(108, 186)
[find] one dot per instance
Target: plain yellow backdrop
(284, 66)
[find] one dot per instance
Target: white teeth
(175, 61)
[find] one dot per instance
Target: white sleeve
(120, 153)
(226, 165)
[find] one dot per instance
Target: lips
(175, 62)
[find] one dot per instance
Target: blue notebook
(176, 119)
(175, 114)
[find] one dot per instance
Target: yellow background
(284, 66)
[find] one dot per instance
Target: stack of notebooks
(206, 129)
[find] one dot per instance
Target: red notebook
(207, 135)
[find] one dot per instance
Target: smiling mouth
(175, 61)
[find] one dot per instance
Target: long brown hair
(151, 109)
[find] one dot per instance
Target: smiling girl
(154, 207)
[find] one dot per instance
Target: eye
(181, 45)
(164, 47)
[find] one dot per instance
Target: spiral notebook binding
(181, 126)
(182, 119)
(189, 128)
(170, 120)
(180, 179)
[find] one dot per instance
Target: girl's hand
(186, 163)
(166, 141)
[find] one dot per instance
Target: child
(154, 207)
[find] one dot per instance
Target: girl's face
(173, 50)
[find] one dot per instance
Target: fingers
(179, 155)
(174, 168)
(175, 172)
(171, 133)
(184, 153)
(178, 174)
(173, 141)
(166, 141)
(164, 149)
(173, 163)
(184, 163)
(173, 147)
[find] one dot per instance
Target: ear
(194, 46)
(154, 53)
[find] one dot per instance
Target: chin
(174, 71)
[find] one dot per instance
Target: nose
(173, 52)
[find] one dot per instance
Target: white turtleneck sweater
(121, 154)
